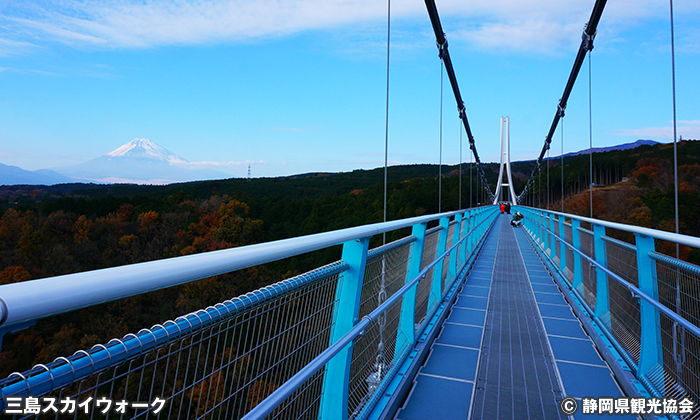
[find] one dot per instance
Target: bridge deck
(511, 348)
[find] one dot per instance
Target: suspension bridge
(466, 317)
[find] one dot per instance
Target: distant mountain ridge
(624, 146)
(14, 175)
(140, 161)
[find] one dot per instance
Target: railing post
(474, 233)
(527, 222)
(542, 225)
(602, 300)
(334, 404)
(465, 244)
(552, 241)
(578, 269)
(651, 355)
(562, 247)
(455, 261)
(545, 235)
(481, 229)
(407, 323)
(533, 225)
(436, 287)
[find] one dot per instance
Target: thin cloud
(294, 129)
(218, 165)
(12, 47)
(689, 129)
(534, 36)
(689, 41)
(541, 26)
(132, 24)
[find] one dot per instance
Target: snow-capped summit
(140, 161)
(145, 148)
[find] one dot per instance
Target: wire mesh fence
(625, 311)
(448, 260)
(222, 361)
(587, 268)
(219, 371)
(568, 237)
(375, 352)
(676, 285)
(423, 288)
(374, 356)
(679, 290)
(556, 245)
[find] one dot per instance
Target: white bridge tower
(505, 161)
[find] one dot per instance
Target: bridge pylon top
(505, 162)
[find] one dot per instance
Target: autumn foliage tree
(35, 245)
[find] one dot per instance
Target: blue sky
(291, 87)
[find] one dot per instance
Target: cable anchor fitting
(587, 38)
(442, 48)
(560, 109)
(462, 111)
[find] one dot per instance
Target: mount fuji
(139, 161)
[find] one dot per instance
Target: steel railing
(645, 302)
(222, 361)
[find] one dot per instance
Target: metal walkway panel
(555, 311)
(472, 290)
(460, 335)
(437, 398)
(550, 298)
(581, 370)
(472, 302)
(517, 378)
(564, 327)
(444, 385)
(467, 316)
(510, 348)
(442, 359)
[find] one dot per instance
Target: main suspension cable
(445, 57)
(589, 32)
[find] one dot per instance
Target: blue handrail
(658, 234)
(268, 405)
(655, 353)
(139, 278)
(632, 288)
(101, 357)
(74, 291)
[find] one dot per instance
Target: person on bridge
(503, 208)
(517, 219)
